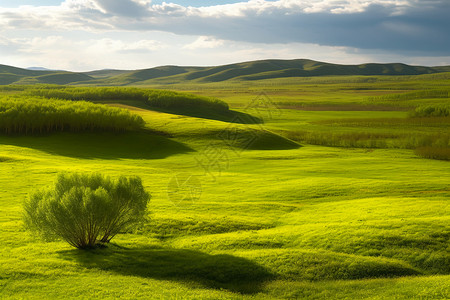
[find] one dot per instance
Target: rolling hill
(253, 70)
(13, 75)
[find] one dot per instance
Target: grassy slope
(15, 75)
(22, 72)
(313, 222)
(147, 74)
(105, 73)
(55, 78)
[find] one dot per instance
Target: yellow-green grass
(326, 93)
(297, 222)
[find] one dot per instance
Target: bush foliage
(35, 115)
(425, 94)
(85, 210)
(436, 110)
(369, 139)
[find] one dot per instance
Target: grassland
(277, 210)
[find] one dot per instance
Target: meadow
(294, 188)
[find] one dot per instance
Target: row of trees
(162, 99)
(434, 110)
(36, 115)
(371, 139)
(425, 94)
(89, 93)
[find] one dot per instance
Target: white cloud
(108, 45)
(205, 42)
(59, 52)
(52, 44)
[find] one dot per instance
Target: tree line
(433, 110)
(160, 99)
(36, 115)
(425, 94)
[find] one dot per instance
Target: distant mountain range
(246, 71)
(39, 69)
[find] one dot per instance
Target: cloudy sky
(82, 35)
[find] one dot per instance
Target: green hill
(13, 75)
(22, 72)
(253, 70)
(147, 74)
(265, 69)
(105, 73)
(56, 78)
(8, 78)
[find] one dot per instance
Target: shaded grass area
(293, 264)
(164, 227)
(220, 271)
(230, 116)
(136, 145)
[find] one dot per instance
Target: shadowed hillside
(56, 78)
(4, 69)
(148, 74)
(13, 75)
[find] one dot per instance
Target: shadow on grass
(102, 145)
(230, 116)
(252, 139)
(192, 267)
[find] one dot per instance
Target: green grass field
(326, 199)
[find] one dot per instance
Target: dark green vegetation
(162, 100)
(85, 210)
(36, 115)
(355, 212)
(246, 71)
(438, 110)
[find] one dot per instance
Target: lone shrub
(86, 210)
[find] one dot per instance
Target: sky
(84, 35)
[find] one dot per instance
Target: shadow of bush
(212, 271)
(104, 145)
(230, 116)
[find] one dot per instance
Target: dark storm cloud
(415, 29)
